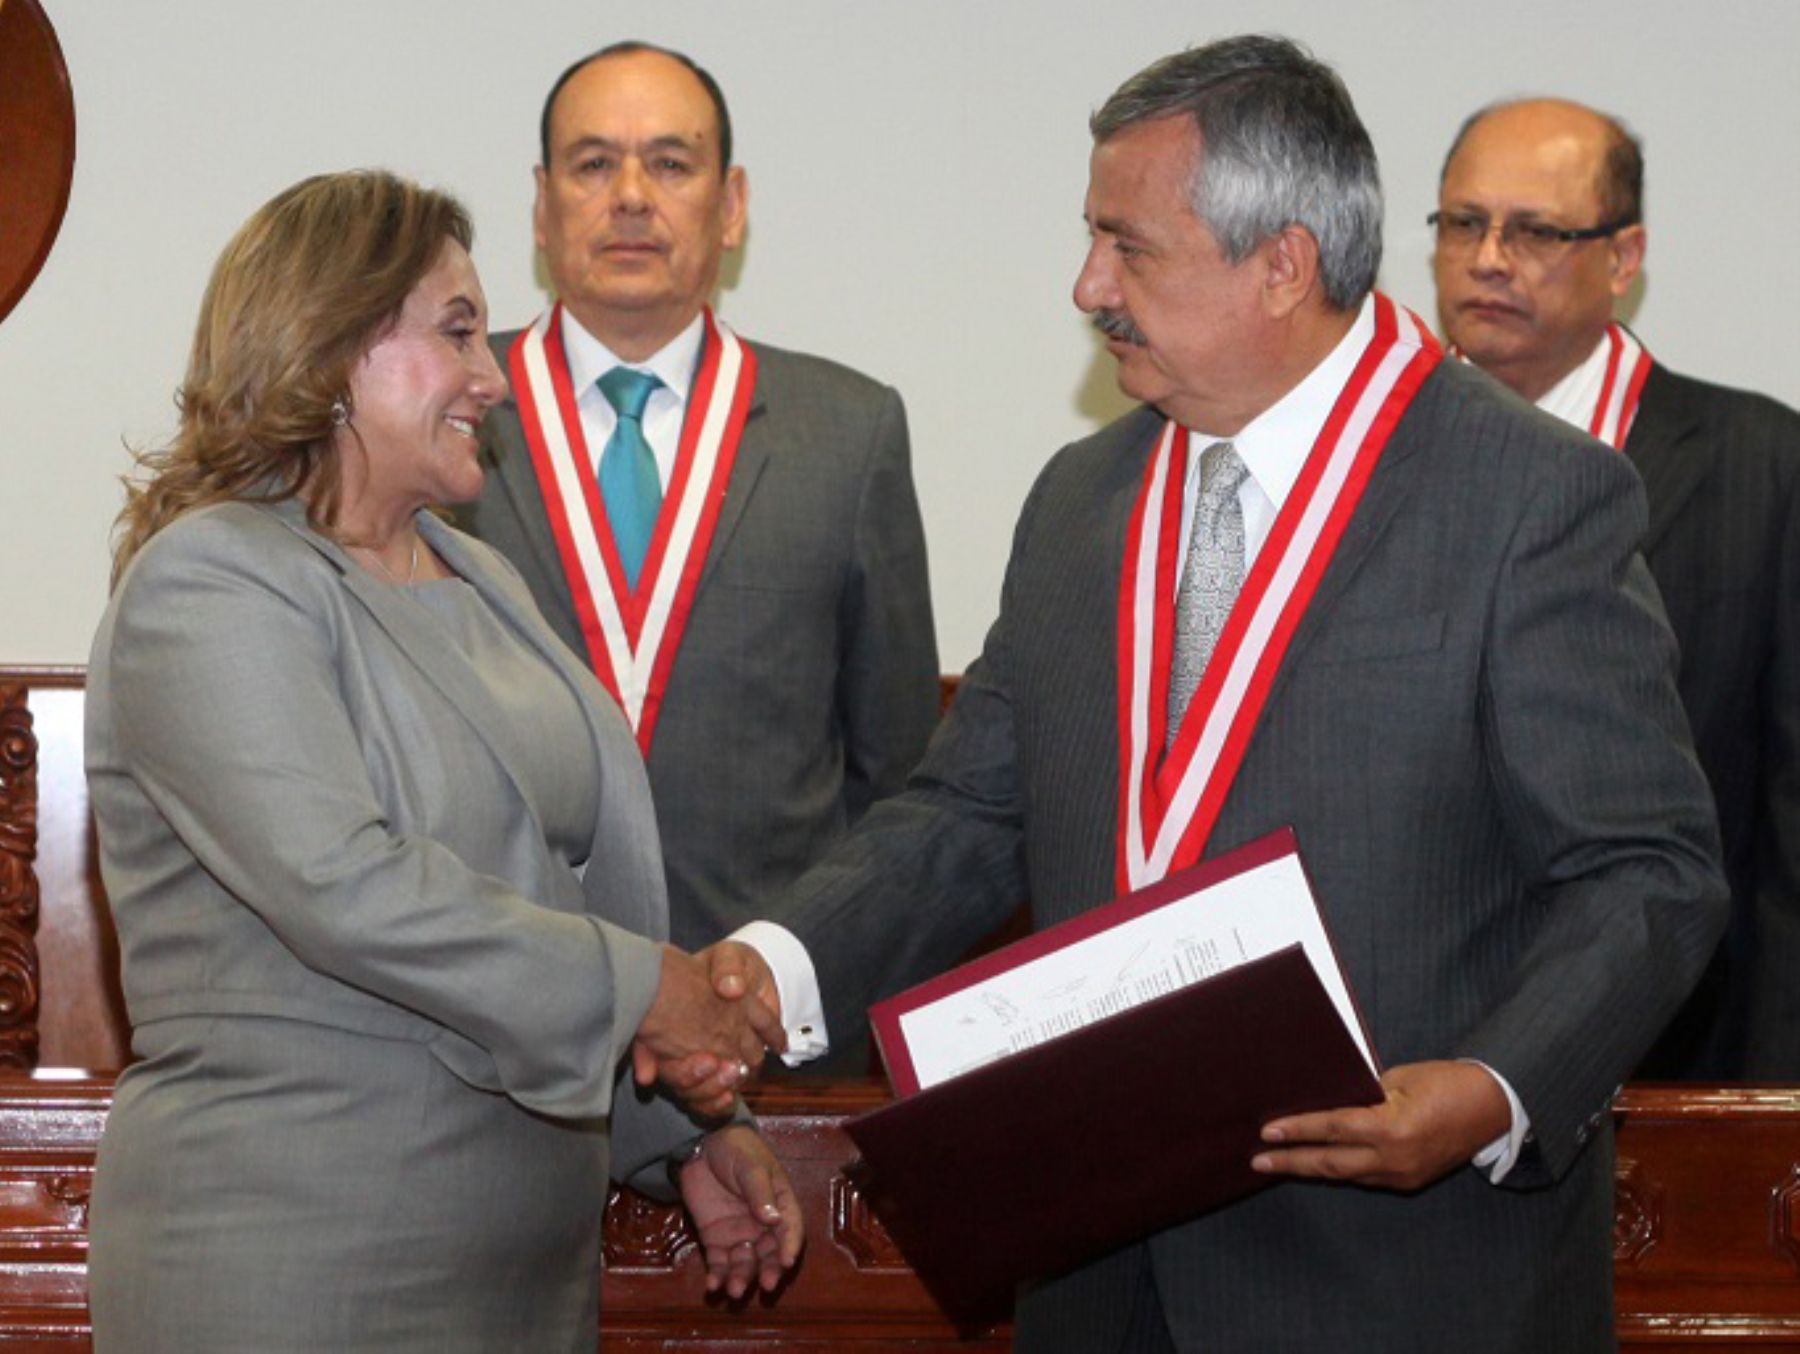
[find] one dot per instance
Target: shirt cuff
(1502, 1154)
(802, 1010)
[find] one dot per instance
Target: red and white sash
(1168, 805)
(632, 636)
(1627, 366)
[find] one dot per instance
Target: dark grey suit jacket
(806, 685)
(1721, 469)
(1477, 738)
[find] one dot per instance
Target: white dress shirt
(1574, 398)
(674, 364)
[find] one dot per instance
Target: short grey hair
(1281, 146)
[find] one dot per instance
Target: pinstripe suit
(1721, 470)
(1477, 738)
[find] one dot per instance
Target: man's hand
(1437, 1116)
(700, 1045)
(738, 974)
(737, 970)
(745, 1209)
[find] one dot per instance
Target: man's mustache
(1116, 324)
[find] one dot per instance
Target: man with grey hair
(1540, 232)
(1322, 580)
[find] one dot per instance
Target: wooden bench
(1706, 1234)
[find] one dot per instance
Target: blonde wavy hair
(307, 286)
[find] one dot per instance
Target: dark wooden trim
(1715, 1166)
(1706, 1229)
(59, 676)
(1706, 1243)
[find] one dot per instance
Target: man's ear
(1627, 257)
(1290, 260)
(736, 207)
(542, 180)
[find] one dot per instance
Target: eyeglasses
(1520, 236)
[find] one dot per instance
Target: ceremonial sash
(1168, 805)
(632, 636)
(1627, 367)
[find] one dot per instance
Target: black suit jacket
(1722, 472)
(806, 684)
(1477, 738)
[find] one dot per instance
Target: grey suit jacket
(277, 747)
(1476, 736)
(806, 685)
(1721, 469)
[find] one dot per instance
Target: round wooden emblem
(37, 144)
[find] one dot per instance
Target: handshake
(715, 1014)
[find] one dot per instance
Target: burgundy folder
(1052, 1156)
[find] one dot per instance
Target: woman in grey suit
(380, 851)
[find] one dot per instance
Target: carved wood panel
(1709, 1174)
(856, 1229)
(1637, 1214)
(18, 881)
(48, 849)
(643, 1235)
(1708, 1193)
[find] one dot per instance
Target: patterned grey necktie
(1211, 574)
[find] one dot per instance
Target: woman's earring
(340, 412)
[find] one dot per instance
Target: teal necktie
(629, 484)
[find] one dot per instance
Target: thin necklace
(412, 569)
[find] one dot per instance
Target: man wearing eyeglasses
(1539, 232)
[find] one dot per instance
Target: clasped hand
(1436, 1116)
(706, 1032)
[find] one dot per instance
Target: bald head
(1529, 312)
(1620, 177)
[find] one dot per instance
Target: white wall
(916, 180)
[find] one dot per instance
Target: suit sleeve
(888, 674)
(1604, 803)
(1774, 990)
(932, 870)
(229, 716)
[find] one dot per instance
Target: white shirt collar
(1573, 398)
(1275, 444)
(674, 364)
